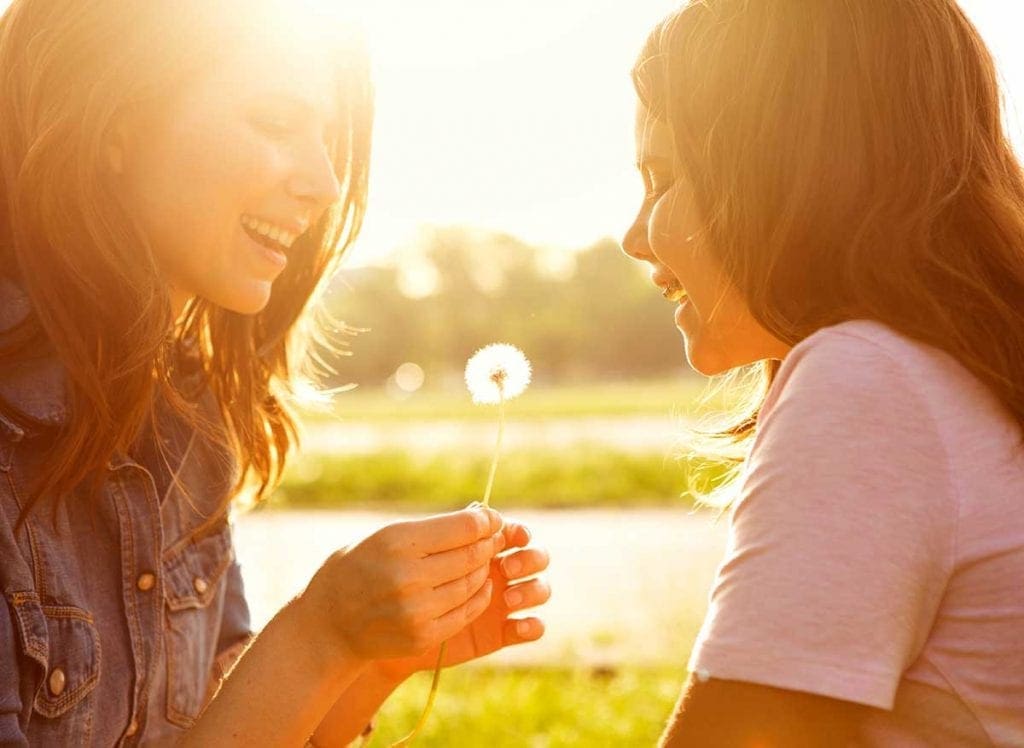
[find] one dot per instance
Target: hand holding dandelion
(494, 374)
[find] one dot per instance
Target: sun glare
(515, 117)
(518, 117)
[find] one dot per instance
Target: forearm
(279, 691)
(354, 710)
(734, 713)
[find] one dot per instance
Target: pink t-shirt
(876, 551)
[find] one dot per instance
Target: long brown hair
(68, 69)
(849, 160)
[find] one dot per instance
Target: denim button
(132, 728)
(146, 582)
(57, 681)
(200, 585)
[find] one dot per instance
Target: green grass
(502, 708)
(582, 475)
(610, 399)
(572, 477)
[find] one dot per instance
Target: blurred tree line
(597, 317)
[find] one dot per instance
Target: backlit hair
(68, 70)
(849, 161)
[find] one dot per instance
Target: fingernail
(488, 588)
(511, 567)
(523, 628)
(499, 542)
(513, 598)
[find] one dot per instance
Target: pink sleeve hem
(779, 670)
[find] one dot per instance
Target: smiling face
(718, 329)
(232, 168)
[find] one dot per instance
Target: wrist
(307, 622)
(387, 674)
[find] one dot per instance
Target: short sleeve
(840, 542)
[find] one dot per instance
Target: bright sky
(518, 116)
(511, 116)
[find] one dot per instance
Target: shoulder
(855, 414)
(856, 354)
(14, 304)
(865, 369)
(32, 385)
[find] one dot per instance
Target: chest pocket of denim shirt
(64, 642)
(194, 590)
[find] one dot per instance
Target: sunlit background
(509, 125)
(518, 116)
(502, 174)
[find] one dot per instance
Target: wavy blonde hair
(849, 160)
(68, 70)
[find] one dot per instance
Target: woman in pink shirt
(831, 199)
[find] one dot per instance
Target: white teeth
(274, 233)
(674, 293)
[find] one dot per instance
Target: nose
(634, 243)
(314, 180)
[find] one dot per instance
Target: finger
(516, 535)
(443, 531)
(439, 568)
(453, 594)
(522, 630)
(525, 563)
(527, 595)
(452, 622)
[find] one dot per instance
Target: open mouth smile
(673, 293)
(270, 235)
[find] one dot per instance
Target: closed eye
(278, 128)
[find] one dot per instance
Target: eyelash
(282, 130)
(653, 192)
(275, 128)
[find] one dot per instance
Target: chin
(709, 361)
(249, 299)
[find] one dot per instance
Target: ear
(115, 146)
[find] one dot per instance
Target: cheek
(223, 171)
(671, 238)
(195, 187)
(662, 224)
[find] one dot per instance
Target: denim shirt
(117, 621)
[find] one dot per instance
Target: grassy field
(532, 707)
(535, 708)
(608, 399)
(572, 477)
(586, 474)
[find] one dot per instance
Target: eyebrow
(654, 161)
(331, 114)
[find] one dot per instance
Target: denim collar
(35, 388)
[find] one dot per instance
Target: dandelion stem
(497, 447)
(407, 740)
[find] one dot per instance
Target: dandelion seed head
(495, 372)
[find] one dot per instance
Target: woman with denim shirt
(179, 179)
